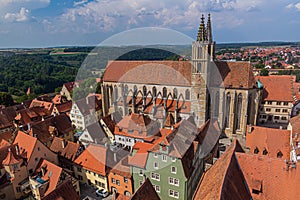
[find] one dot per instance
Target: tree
(6, 99)
(264, 72)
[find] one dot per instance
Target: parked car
(102, 193)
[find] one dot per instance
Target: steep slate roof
(86, 105)
(145, 192)
(69, 150)
(65, 191)
(224, 180)
(276, 179)
(144, 71)
(277, 88)
(96, 132)
(233, 74)
(273, 140)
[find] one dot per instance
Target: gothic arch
(154, 91)
(164, 93)
(175, 93)
(227, 109)
(238, 114)
(187, 94)
(217, 104)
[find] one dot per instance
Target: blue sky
(42, 23)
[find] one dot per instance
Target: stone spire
(201, 31)
(208, 30)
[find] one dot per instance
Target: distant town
(211, 122)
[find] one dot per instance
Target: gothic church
(169, 91)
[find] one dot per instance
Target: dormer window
(256, 151)
(279, 154)
(265, 152)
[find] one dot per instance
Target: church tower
(203, 53)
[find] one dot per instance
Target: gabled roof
(111, 120)
(64, 107)
(139, 159)
(52, 174)
(44, 104)
(144, 71)
(96, 132)
(96, 158)
(224, 180)
(278, 88)
(69, 86)
(26, 144)
(64, 191)
(122, 168)
(86, 105)
(59, 125)
(65, 149)
(272, 178)
(269, 139)
(11, 158)
(140, 125)
(145, 192)
(233, 75)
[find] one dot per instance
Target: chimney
(28, 126)
(17, 150)
(63, 144)
(249, 128)
(115, 157)
(43, 170)
(280, 127)
(144, 178)
(172, 127)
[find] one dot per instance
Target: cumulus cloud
(21, 16)
(294, 6)
(109, 15)
(19, 10)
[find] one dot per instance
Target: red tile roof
(144, 71)
(275, 178)
(43, 104)
(224, 180)
(142, 126)
(65, 191)
(233, 74)
(52, 174)
(278, 88)
(139, 159)
(269, 139)
(10, 158)
(95, 158)
(65, 149)
(69, 86)
(26, 143)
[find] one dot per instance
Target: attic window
(265, 152)
(279, 154)
(256, 151)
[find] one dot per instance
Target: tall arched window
(164, 92)
(154, 91)
(126, 90)
(116, 93)
(227, 107)
(187, 94)
(217, 102)
(175, 93)
(135, 90)
(144, 90)
(249, 108)
(239, 112)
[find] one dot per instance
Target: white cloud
(295, 6)
(112, 15)
(18, 10)
(21, 16)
